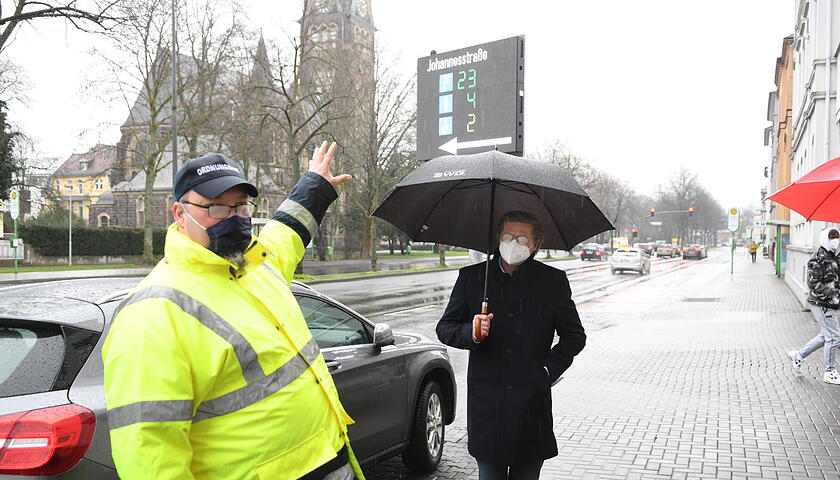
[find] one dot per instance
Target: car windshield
(627, 253)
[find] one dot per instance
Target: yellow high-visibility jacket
(212, 373)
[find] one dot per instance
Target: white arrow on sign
(453, 146)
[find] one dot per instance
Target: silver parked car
(630, 259)
(399, 388)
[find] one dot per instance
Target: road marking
(409, 310)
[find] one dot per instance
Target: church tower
(340, 34)
(338, 52)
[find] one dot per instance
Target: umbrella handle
(477, 325)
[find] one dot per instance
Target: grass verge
(63, 268)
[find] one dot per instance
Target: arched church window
(140, 211)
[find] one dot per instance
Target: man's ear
(178, 212)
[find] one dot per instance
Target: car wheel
(425, 446)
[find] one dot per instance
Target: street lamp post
(70, 230)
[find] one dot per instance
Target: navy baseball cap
(210, 175)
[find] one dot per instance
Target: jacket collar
(180, 249)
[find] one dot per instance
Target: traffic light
(652, 211)
(690, 211)
(635, 232)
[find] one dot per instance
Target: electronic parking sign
(471, 100)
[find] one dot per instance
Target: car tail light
(46, 441)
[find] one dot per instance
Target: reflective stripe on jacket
(212, 373)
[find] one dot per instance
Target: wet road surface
(684, 376)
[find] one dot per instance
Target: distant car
(694, 251)
(593, 252)
(647, 248)
(665, 251)
(630, 259)
(399, 388)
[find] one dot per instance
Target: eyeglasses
(522, 239)
(223, 211)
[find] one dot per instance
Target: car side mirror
(382, 335)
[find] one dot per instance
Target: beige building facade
(779, 137)
(83, 178)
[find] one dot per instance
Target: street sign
(14, 204)
(471, 100)
(734, 219)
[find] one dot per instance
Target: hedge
(114, 241)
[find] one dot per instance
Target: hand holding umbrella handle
(481, 325)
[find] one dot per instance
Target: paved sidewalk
(693, 384)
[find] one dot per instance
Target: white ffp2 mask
(513, 253)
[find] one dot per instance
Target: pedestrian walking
(753, 250)
(823, 300)
(509, 419)
(210, 369)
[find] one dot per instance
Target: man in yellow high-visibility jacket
(210, 369)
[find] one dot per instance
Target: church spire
(261, 69)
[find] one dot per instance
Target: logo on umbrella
(451, 173)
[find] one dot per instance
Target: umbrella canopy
(449, 200)
(816, 195)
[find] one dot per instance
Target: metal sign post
(734, 221)
(14, 211)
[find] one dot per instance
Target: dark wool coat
(509, 417)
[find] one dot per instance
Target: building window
(104, 220)
(80, 184)
(140, 211)
(69, 186)
(83, 164)
(262, 208)
(323, 33)
(141, 150)
(97, 184)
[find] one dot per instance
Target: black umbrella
(459, 199)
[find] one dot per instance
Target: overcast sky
(638, 88)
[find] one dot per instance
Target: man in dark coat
(511, 370)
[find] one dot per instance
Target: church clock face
(322, 6)
(362, 8)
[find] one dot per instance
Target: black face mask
(230, 236)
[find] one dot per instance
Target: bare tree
(212, 33)
(142, 76)
(380, 147)
(13, 81)
(98, 15)
(582, 171)
(302, 110)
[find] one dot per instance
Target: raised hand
(322, 159)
